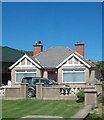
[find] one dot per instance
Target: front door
(52, 75)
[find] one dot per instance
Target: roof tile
(53, 56)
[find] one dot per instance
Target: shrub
(80, 96)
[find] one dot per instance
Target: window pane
(80, 70)
(29, 74)
(67, 77)
(31, 70)
(79, 77)
(20, 70)
(35, 81)
(27, 80)
(20, 76)
(43, 81)
(73, 77)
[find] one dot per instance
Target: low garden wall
(58, 93)
(53, 93)
(15, 92)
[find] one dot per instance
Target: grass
(24, 107)
(96, 114)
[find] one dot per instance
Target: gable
(73, 60)
(25, 61)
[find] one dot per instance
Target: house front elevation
(59, 63)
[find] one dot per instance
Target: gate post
(39, 91)
(91, 97)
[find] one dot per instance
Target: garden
(13, 109)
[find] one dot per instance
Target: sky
(53, 23)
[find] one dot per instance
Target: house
(8, 57)
(59, 63)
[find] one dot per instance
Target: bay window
(73, 76)
(20, 74)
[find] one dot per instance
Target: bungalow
(59, 63)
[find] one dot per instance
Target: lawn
(24, 107)
(96, 114)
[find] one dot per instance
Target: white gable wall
(13, 73)
(60, 74)
(73, 64)
(25, 65)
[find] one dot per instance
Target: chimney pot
(38, 48)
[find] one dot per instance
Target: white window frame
(66, 71)
(26, 71)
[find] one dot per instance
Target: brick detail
(38, 48)
(80, 48)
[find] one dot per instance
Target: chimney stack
(38, 48)
(80, 48)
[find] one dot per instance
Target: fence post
(91, 97)
(39, 91)
(23, 90)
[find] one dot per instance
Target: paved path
(82, 114)
(35, 117)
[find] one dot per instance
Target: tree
(100, 68)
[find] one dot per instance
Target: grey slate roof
(53, 56)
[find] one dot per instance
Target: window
(35, 81)
(20, 74)
(43, 81)
(73, 75)
(27, 80)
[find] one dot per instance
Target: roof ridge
(70, 50)
(79, 54)
(51, 48)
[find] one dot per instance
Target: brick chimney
(80, 48)
(38, 48)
